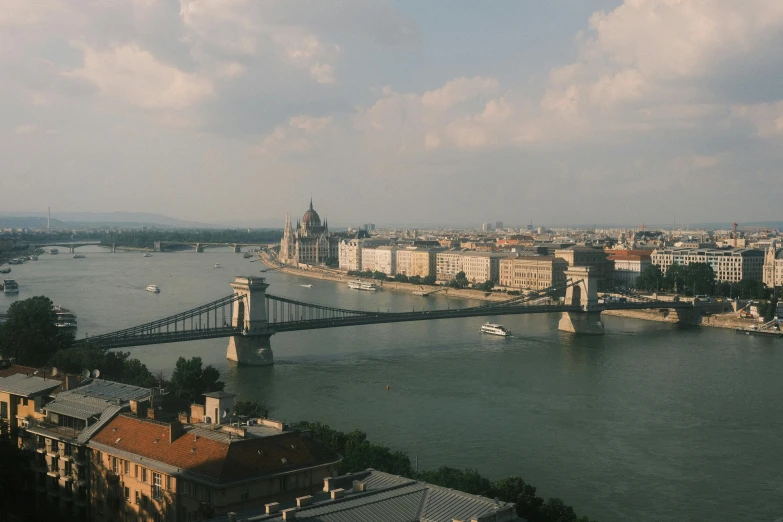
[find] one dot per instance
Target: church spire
(311, 202)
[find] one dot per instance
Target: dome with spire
(311, 218)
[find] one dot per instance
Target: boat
(306, 286)
(17, 261)
(79, 256)
(217, 265)
(494, 329)
(65, 318)
(147, 255)
(10, 286)
(5, 270)
(33, 258)
(247, 254)
(153, 288)
(362, 285)
(53, 251)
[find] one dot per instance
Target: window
(136, 470)
(143, 500)
(186, 488)
(156, 486)
(144, 474)
(114, 465)
(283, 483)
(168, 482)
(244, 495)
(137, 497)
(127, 467)
(127, 494)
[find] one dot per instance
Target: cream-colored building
(448, 264)
(532, 272)
(592, 257)
(380, 259)
(477, 266)
(773, 267)
(350, 254)
(730, 265)
(422, 263)
(404, 260)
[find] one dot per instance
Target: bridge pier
(157, 246)
(584, 294)
(73, 249)
(114, 248)
(252, 347)
(199, 248)
(237, 249)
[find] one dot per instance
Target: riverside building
(773, 267)
(532, 272)
(310, 243)
(730, 265)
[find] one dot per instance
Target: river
(650, 422)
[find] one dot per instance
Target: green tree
(251, 409)
(676, 277)
(771, 309)
(467, 480)
(650, 279)
(113, 365)
(459, 281)
(190, 381)
(555, 510)
(700, 278)
(486, 286)
(30, 334)
(750, 289)
(402, 278)
(416, 280)
(428, 280)
(379, 275)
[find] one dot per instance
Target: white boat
(153, 288)
(494, 329)
(10, 286)
(147, 255)
(79, 256)
(5, 270)
(362, 285)
(53, 251)
(306, 286)
(65, 318)
(217, 265)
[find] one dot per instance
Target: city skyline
(235, 111)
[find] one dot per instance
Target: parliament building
(310, 243)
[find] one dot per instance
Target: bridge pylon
(252, 347)
(585, 295)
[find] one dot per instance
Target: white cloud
(767, 118)
(131, 74)
(294, 137)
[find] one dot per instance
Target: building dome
(311, 218)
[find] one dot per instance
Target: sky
(395, 112)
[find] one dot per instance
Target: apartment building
(629, 265)
(199, 465)
(404, 260)
(532, 272)
(773, 267)
(350, 254)
(380, 259)
(478, 266)
(448, 264)
(422, 262)
(730, 265)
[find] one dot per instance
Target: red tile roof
(219, 460)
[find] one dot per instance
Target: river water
(650, 422)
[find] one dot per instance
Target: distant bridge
(70, 245)
(249, 317)
(199, 246)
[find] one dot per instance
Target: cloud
(295, 137)
(133, 75)
(767, 118)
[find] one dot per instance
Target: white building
(730, 265)
(350, 254)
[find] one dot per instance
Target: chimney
(304, 501)
(358, 486)
(175, 431)
(70, 382)
(289, 514)
(338, 493)
(274, 507)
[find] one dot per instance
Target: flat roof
(27, 385)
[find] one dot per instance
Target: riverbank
(339, 276)
(728, 320)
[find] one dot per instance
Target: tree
(701, 278)
(675, 278)
(467, 480)
(190, 381)
(650, 279)
(416, 280)
(30, 334)
(486, 286)
(379, 275)
(250, 409)
(428, 280)
(750, 289)
(402, 278)
(113, 365)
(459, 281)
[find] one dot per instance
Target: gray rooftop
(110, 391)
(389, 498)
(27, 386)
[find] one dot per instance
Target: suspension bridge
(250, 316)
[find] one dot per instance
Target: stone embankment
(337, 275)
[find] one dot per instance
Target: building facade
(350, 254)
(730, 265)
(592, 257)
(190, 469)
(532, 272)
(422, 263)
(310, 243)
(773, 267)
(629, 265)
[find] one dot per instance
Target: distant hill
(100, 219)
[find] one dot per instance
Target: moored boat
(494, 329)
(10, 286)
(362, 285)
(5, 270)
(147, 255)
(153, 288)
(79, 256)
(65, 318)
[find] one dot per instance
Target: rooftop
(27, 385)
(381, 497)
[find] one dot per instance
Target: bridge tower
(237, 248)
(252, 346)
(585, 295)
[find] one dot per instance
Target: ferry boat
(247, 255)
(5, 270)
(306, 286)
(10, 286)
(147, 255)
(153, 288)
(494, 329)
(79, 256)
(217, 265)
(53, 251)
(362, 285)
(65, 318)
